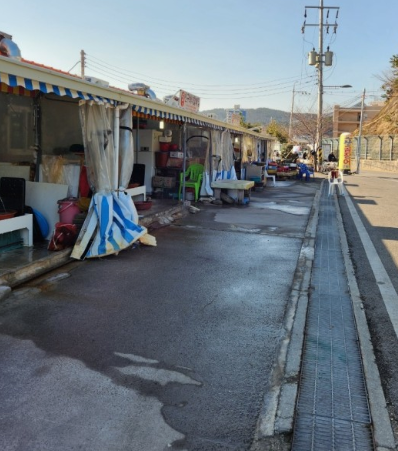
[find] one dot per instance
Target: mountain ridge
(254, 115)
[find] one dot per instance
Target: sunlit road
(374, 198)
(167, 347)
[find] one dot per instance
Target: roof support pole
(184, 161)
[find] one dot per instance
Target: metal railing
(381, 148)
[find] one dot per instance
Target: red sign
(189, 102)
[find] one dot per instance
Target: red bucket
(67, 210)
(164, 147)
(161, 159)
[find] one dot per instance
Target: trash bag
(64, 236)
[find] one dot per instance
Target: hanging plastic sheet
(226, 168)
(249, 149)
(205, 189)
(112, 219)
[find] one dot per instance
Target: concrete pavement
(292, 210)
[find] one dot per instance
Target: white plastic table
(23, 223)
(240, 185)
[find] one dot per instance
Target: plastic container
(7, 214)
(67, 210)
(143, 205)
(42, 221)
(164, 147)
(161, 159)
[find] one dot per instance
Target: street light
(338, 87)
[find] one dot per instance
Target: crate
(174, 162)
(163, 182)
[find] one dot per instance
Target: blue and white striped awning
(14, 81)
(33, 85)
(176, 117)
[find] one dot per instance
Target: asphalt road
(167, 347)
(373, 195)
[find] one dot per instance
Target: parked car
(290, 164)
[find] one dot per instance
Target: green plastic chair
(193, 179)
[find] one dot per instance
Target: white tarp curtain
(216, 152)
(112, 220)
(221, 165)
(249, 149)
(226, 168)
(205, 189)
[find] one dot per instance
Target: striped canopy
(34, 85)
(176, 117)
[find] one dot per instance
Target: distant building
(348, 119)
(234, 115)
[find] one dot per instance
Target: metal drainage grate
(332, 408)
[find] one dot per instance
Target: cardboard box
(176, 154)
(163, 182)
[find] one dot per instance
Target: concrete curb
(275, 424)
(54, 260)
(382, 430)
(35, 269)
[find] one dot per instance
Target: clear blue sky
(228, 52)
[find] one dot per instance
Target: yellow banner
(345, 149)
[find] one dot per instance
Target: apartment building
(348, 119)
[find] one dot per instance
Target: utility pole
(320, 85)
(82, 62)
(292, 110)
(360, 132)
(291, 114)
(319, 59)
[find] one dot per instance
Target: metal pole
(184, 161)
(320, 83)
(291, 114)
(360, 133)
(82, 62)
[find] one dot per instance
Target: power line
(107, 68)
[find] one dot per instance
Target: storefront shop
(92, 150)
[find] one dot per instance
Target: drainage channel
(332, 411)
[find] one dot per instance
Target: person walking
(331, 157)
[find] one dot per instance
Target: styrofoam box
(174, 154)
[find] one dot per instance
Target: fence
(377, 152)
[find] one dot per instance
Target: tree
(248, 124)
(278, 131)
(390, 79)
(305, 126)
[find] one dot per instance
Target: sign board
(345, 149)
(189, 102)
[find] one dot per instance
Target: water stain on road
(291, 209)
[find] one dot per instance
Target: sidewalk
(20, 265)
(340, 403)
(332, 410)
